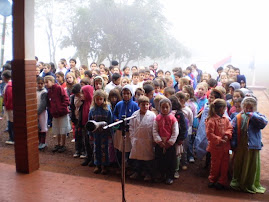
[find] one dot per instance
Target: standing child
(70, 82)
(238, 108)
(165, 132)
(58, 102)
(142, 140)
(60, 79)
(42, 112)
(219, 132)
(237, 94)
(200, 95)
(247, 140)
(8, 102)
(100, 111)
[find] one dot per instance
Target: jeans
(10, 130)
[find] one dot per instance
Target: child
(141, 139)
(125, 81)
(70, 82)
(82, 69)
(147, 74)
(201, 95)
(8, 102)
(169, 91)
(125, 107)
(98, 83)
(138, 93)
(192, 104)
(160, 73)
(60, 79)
(236, 95)
(135, 80)
(149, 90)
(247, 142)
(184, 81)
(114, 97)
(177, 75)
(116, 77)
(157, 88)
(200, 139)
(189, 120)
(177, 111)
(85, 81)
(58, 102)
(42, 112)
(100, 111)
(219, 132)
(141, 78)
(165, 132)
(126, 71)
(238, 108)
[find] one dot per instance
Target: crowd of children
(179, 116)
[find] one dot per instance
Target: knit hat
(235, 85)
(241, 78)
(128, 87)
(114, 63)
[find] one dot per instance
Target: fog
(210, 30)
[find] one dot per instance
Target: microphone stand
(124, 121)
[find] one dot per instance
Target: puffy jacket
(256, 122)
(8, 98)
(58, 101)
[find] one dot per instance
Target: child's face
(69, 79)
(201, 91)
(49, 83)
(231, 73)
(160, 74)
(40, 85)
(94, 74)
(134, 70)
(72, 64)
(105, 81)
(223, 79)
(236, 95)
(165, 108)
(127, 71)
(238, 107)
(102, 71)
(117, 82)
(60, 65)
(157, 89)
(37, 71)
(167, 74)
(147, 74)
(144, 107)
(113, 99)
(219, 72)
(166, 94)
(116, 70)
(248, 108)
(150, 95)
(126, 95)
(99, 100)
(59, 79)
(97, 84)
(151, 77)
(237, 72)
(138, 94)
(211, 98)
(135, 79)
(177, 78)
(242, 84)
(141, 76)
(170, 83)
(205, 76)
(124, 82)
(231, 89)
(81, 71)
(46, 69)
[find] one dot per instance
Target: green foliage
(121, 31)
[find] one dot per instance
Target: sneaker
(147, 178)
(104, 170)
(176, 175)
(56, 148)
(191, 160)
(39, 146)
(82, 156)
(134, 176)
(62, 149)
(184, 167)
(169, 181)
(97, 170)
(73, 140)
(9, 142)
(43, 146)
(76, 155)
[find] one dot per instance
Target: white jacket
(141, 135)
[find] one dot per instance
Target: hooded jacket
(103, 83)
(88, 95)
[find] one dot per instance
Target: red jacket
(8, 99)
(58, 101)
(216, 128)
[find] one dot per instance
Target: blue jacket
(256, 123)
(125, 108)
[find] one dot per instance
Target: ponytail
(215, 107)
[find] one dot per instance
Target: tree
(120, 31)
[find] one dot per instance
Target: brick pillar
(24, 87)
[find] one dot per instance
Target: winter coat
(8, 98)
(141, 135)
(58, 101)
(216, 128)
(256, 122)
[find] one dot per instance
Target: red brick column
(24, 89)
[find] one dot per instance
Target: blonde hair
(103, 94)
(221, 89)
(183, 82)
(69, 85)
(143, 99)
(157, 100)
(49, 78)
(215, 106)
(202, 84)
(123, 79)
